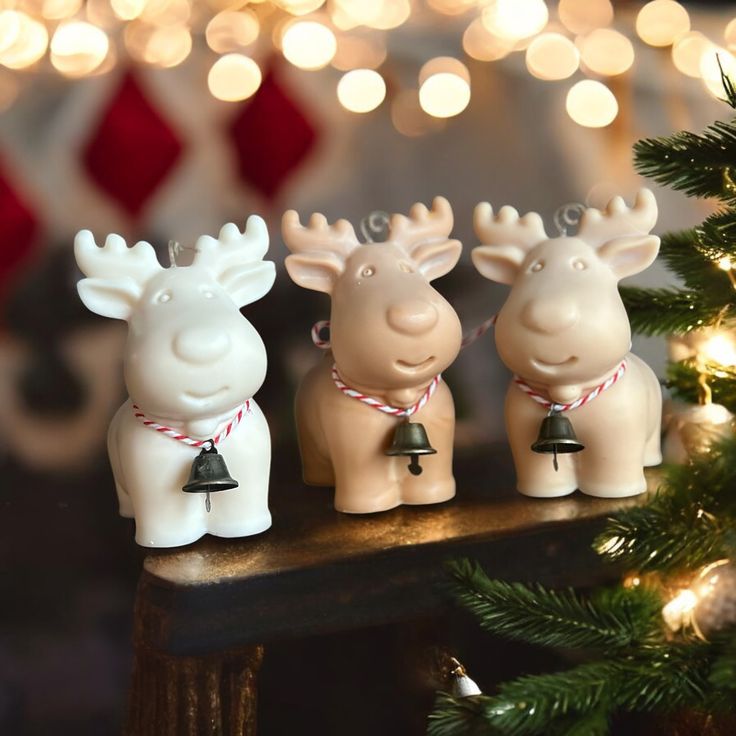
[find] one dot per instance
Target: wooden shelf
(318, 570)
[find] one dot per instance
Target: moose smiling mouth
(205, 396)
(547, 365)
(407, 367)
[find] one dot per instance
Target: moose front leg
(535, 473)
(436, 482)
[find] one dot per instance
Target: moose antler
(115, 260)
(507, 228)
(617, 220)
(231, 247)
(422, 226)
(319, 235)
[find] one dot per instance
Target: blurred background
(164, 119)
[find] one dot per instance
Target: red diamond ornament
(18, 230)
(272, 136)
(133, 149)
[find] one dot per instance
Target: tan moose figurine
(363, 412)
(564, 332)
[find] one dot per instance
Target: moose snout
(201, 344)
(550, 316)
(413, 317)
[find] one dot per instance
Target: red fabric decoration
(133, 149)
(18, 230)
(272, 136)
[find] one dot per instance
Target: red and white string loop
(553, 406)
(386, 408)
(176, 435)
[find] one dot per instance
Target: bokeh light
(661, 22)
(361, 90)
(308, 44)
(359, 52)
(479, 43)
(231, 30)
(78, 48)
(60, 9)
(688, 50)
(168, 46)
(591, 104)
(607, 52)
(584, 16)
(22, 44)
(515, 19)
(409, 118)
(444, 87)
(710, 71)
(552, 56)
(127, 9)
(234, 77)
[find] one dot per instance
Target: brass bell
(556, 435)
(410, 439)
(209, 474)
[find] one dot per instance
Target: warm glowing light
(168, 46)
(392, 14)
(678, 612)
(444, 87)
(720, 349)
(479, 43)
(234, 77)
(166, 12)
(607, 52)
(591, 104)
(59, 9)
(711, 72)
(612, 545)
(361, 90)
(300, 7)
(515, 19)
(308, 44)
(729, 35)
(584, 16)
(128, 9)
(9, 89)
(11, 22)
(28, 46)
(231, 30)
(347, 14)
(725, 263)
(660, 22)
(78, 48)
(552, 56)
(409, 118)
(452, 7)
(688, 51)
(359, 52)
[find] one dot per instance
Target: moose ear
(315, 270)
(436, 259)
(114, 299)
(498, 263)
(249, 282)
(629, 255)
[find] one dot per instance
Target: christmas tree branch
(531, 613)
(699, 164)
(683, 380)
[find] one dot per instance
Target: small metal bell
(462, 685)
(410, 439)
(556, 435)
(209, 474)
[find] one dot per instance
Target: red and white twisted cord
(468, 339)
(553, 406)
(377, 404)
(176, 435)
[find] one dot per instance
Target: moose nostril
(412, 317)
(201, 344)
(550, 316)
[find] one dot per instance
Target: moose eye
(538, 266)
(367, 272)
(163, 297)
(405, 267)
(579, 265)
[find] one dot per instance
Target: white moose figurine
(564, 332)
(192, 364)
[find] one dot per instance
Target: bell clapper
(414, 467)
(207, 502)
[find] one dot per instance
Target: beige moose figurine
(564, 332)
(392, 335)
